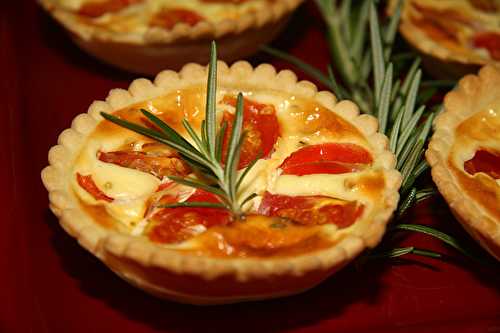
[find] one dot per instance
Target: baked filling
(316, 178)
(138, 16)
(462, 26)
(475, 158)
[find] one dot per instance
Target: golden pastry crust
(171, 274)
(156, 48)
(474, 95)
(442, 58)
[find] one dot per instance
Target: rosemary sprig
(205, 156)
(361, 50)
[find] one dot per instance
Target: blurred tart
(458, 35)
(325, 183)
(147, 36)
(465, 156)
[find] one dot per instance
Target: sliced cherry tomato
(311, 210)
(329, 158)
(484, 161)
(167, 18)
(173, 225)
(159, 163)
(260, 126)
(489, 41)
(88, 184)
(96, 9)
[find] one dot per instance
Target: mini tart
(464, 152)
(147, 36)
(455, 37)
(189, 270)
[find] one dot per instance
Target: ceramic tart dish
(325, 183)
(465, 156)
(456, 37)
(147, 36)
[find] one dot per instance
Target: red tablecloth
(50, 284)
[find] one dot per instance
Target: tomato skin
(311, 210)
(261, 128)
(489, 41)
(109, 6)
(158, 166)
(327, 158)
(484, 161)
(174, 225)
(88, 184)
(317, 168)
(168, 18)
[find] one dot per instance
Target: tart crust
(189, 278)
(440, 61)
(158, 49)
(474, 94)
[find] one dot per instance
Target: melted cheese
(129, 188)
(336, 186)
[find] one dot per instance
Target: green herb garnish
(205, 156)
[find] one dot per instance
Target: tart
(147, 36)
(324, 181)
(464, 153)
(456, 37)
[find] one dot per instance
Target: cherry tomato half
(168, 18)
(88, 184)
(156, 165)
(489, 41)
(171, 225)
(96, 9)
(328, 158)
(484, 161)
(261, 129)
(311, 210)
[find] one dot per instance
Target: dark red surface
(50, 284)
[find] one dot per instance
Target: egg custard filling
(468, 29)
(475, 158)
(464, 154)
(137, 16)
(316, 177)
